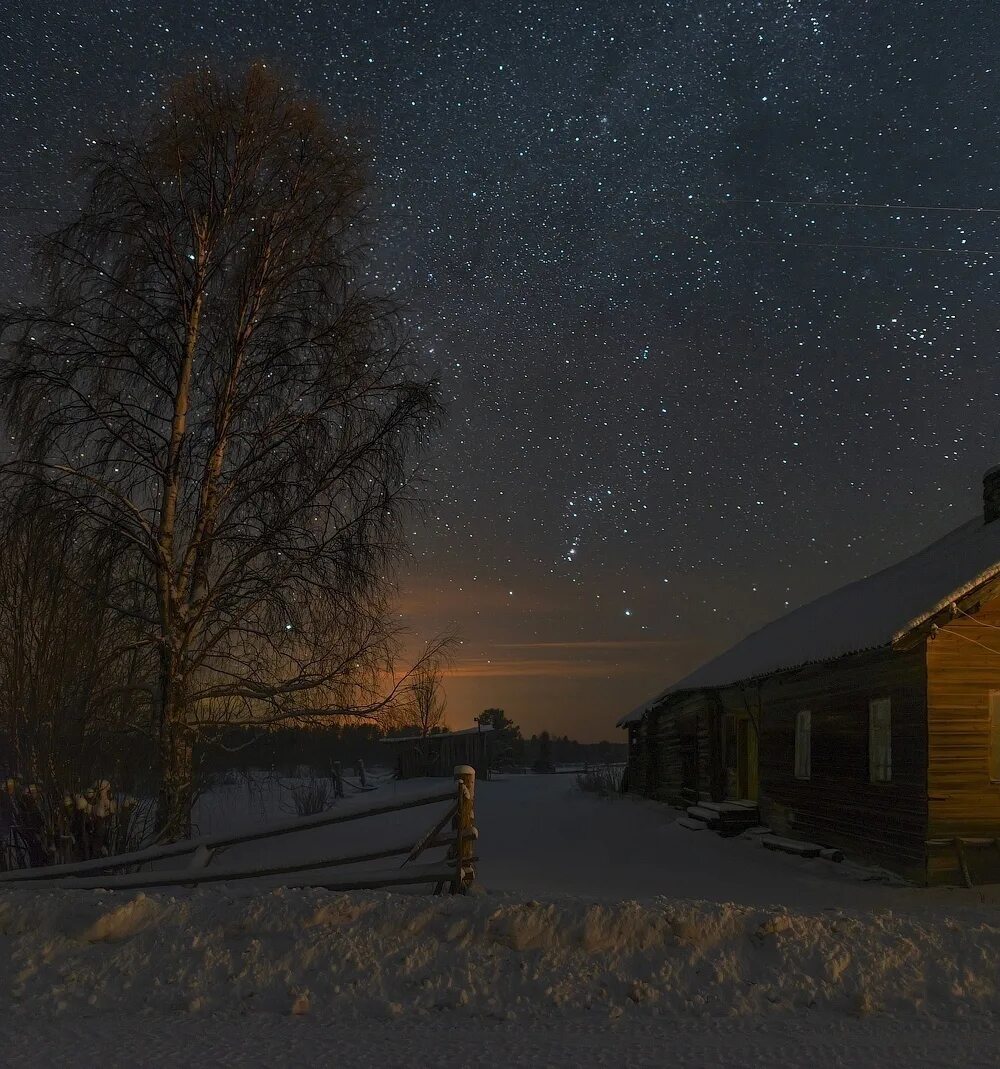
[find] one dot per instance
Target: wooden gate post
(338, 780)
(465, 830)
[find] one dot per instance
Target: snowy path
(540, 836)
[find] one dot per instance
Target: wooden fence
(960, 845)
(456, 870)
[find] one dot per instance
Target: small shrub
(41, 824)
(313, 797)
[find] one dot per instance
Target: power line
(693, 199)
(843, 245)
(843, 204)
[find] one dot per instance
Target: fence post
(465, 830)
(361, 772)
(338, 780)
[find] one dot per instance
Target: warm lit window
(803, 745)
(880, 740)
(995, 736)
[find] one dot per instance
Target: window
(880, 740)
(995, 736)
(803, 745)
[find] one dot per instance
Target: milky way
(711, 288)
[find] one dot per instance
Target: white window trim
(803, 745)
(879, 771)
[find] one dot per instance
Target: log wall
(962, 800)
(839, 805)
(684, 755)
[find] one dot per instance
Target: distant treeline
(130, 762)
(285, 750)
(564, 750)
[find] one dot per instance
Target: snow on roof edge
(959, 592)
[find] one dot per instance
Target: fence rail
(960, 844)
(456, 870)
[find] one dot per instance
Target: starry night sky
(712, 343)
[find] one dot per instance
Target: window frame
(802, 764)
(879, 772)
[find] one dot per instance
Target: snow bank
(351, 957)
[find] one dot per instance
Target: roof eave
(958, 600)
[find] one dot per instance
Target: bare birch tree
(208, 375)
(428, 702)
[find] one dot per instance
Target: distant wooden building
(439, 753)
(867, 720)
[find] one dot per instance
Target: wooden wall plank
(963, 666)
(839, 805)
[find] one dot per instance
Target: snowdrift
(349, 957)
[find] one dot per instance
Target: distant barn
(437, 754)
(867, 720)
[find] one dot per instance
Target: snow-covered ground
(541, 835)
(605, 935)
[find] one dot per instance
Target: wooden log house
(867, 720)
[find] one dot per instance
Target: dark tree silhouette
(208, 376)
(506, 744)
(65, 658)
(544, 763)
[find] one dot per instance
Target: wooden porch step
(733, 817)
(691, 824)
(730, 808)
(704, 814)
(790, 846)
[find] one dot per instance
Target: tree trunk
(176, 760)
(176, 794)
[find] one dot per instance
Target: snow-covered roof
(871, 612)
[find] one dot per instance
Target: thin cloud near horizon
(545, 666)
(511, 669)
(597, 644)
